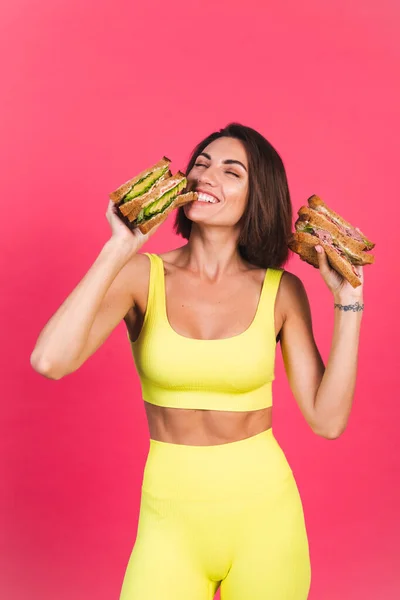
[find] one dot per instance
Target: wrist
(349, 304)
(348, 298)
(121, 248)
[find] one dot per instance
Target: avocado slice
(141, 218)
(161, 204)
(145, 184)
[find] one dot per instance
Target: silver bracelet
(354, 307)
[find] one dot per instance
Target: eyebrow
(228, 161)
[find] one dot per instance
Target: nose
(207, 178)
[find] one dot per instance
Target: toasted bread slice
(311, 221)
(176, 181)
(180, 200)
(119, 194)
(319, 205)
(185, 199)
(303, 244)
(304, 247)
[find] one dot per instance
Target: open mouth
(207, 198)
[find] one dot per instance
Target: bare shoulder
(136, 275)
(139, 266)
(291, 284)
(292, 295)
(136, 280)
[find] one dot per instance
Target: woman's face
(220, 176)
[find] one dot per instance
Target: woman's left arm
(324, 394)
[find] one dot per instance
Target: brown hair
(267, 221)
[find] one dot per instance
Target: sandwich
(147, 199)
(361, 241)
(345, 246)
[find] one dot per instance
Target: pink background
(94, 91)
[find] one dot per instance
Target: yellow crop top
(233, 374)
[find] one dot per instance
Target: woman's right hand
(131, 239)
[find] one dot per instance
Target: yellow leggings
(226, 516)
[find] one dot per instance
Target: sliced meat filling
(350, 231)
(328, 240)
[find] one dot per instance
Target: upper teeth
(206, 198)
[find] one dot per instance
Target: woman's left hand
(339, 286)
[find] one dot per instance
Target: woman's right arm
(96, 306)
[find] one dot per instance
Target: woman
(220, 506)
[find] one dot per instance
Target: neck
(212, 252)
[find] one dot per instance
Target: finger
(322, 258)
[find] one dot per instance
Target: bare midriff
(192, 427)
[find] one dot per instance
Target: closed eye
(227, 172)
